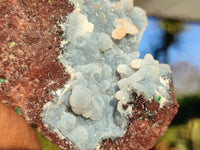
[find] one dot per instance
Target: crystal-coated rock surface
(100, 43)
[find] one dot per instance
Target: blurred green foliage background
(45, 143)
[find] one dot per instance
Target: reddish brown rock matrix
(30, 44)
(147, 124)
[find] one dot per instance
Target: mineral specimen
(111, 98)
(100, 42)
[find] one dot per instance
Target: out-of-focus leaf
(181, 137)
(45, 143)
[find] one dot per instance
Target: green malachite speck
(18, 111)
(13, 44)
(2, 81)
(158, 98)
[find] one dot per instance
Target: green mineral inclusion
(2, 81)
(18, 111)
(13, 44)
(158, 98)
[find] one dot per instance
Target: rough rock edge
(134, 138)
(29, 65)
(147, 123)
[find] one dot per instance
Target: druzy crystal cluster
(100, 43)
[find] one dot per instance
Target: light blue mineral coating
(103, 74)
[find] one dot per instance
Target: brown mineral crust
(147, 124)
(29, 47)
